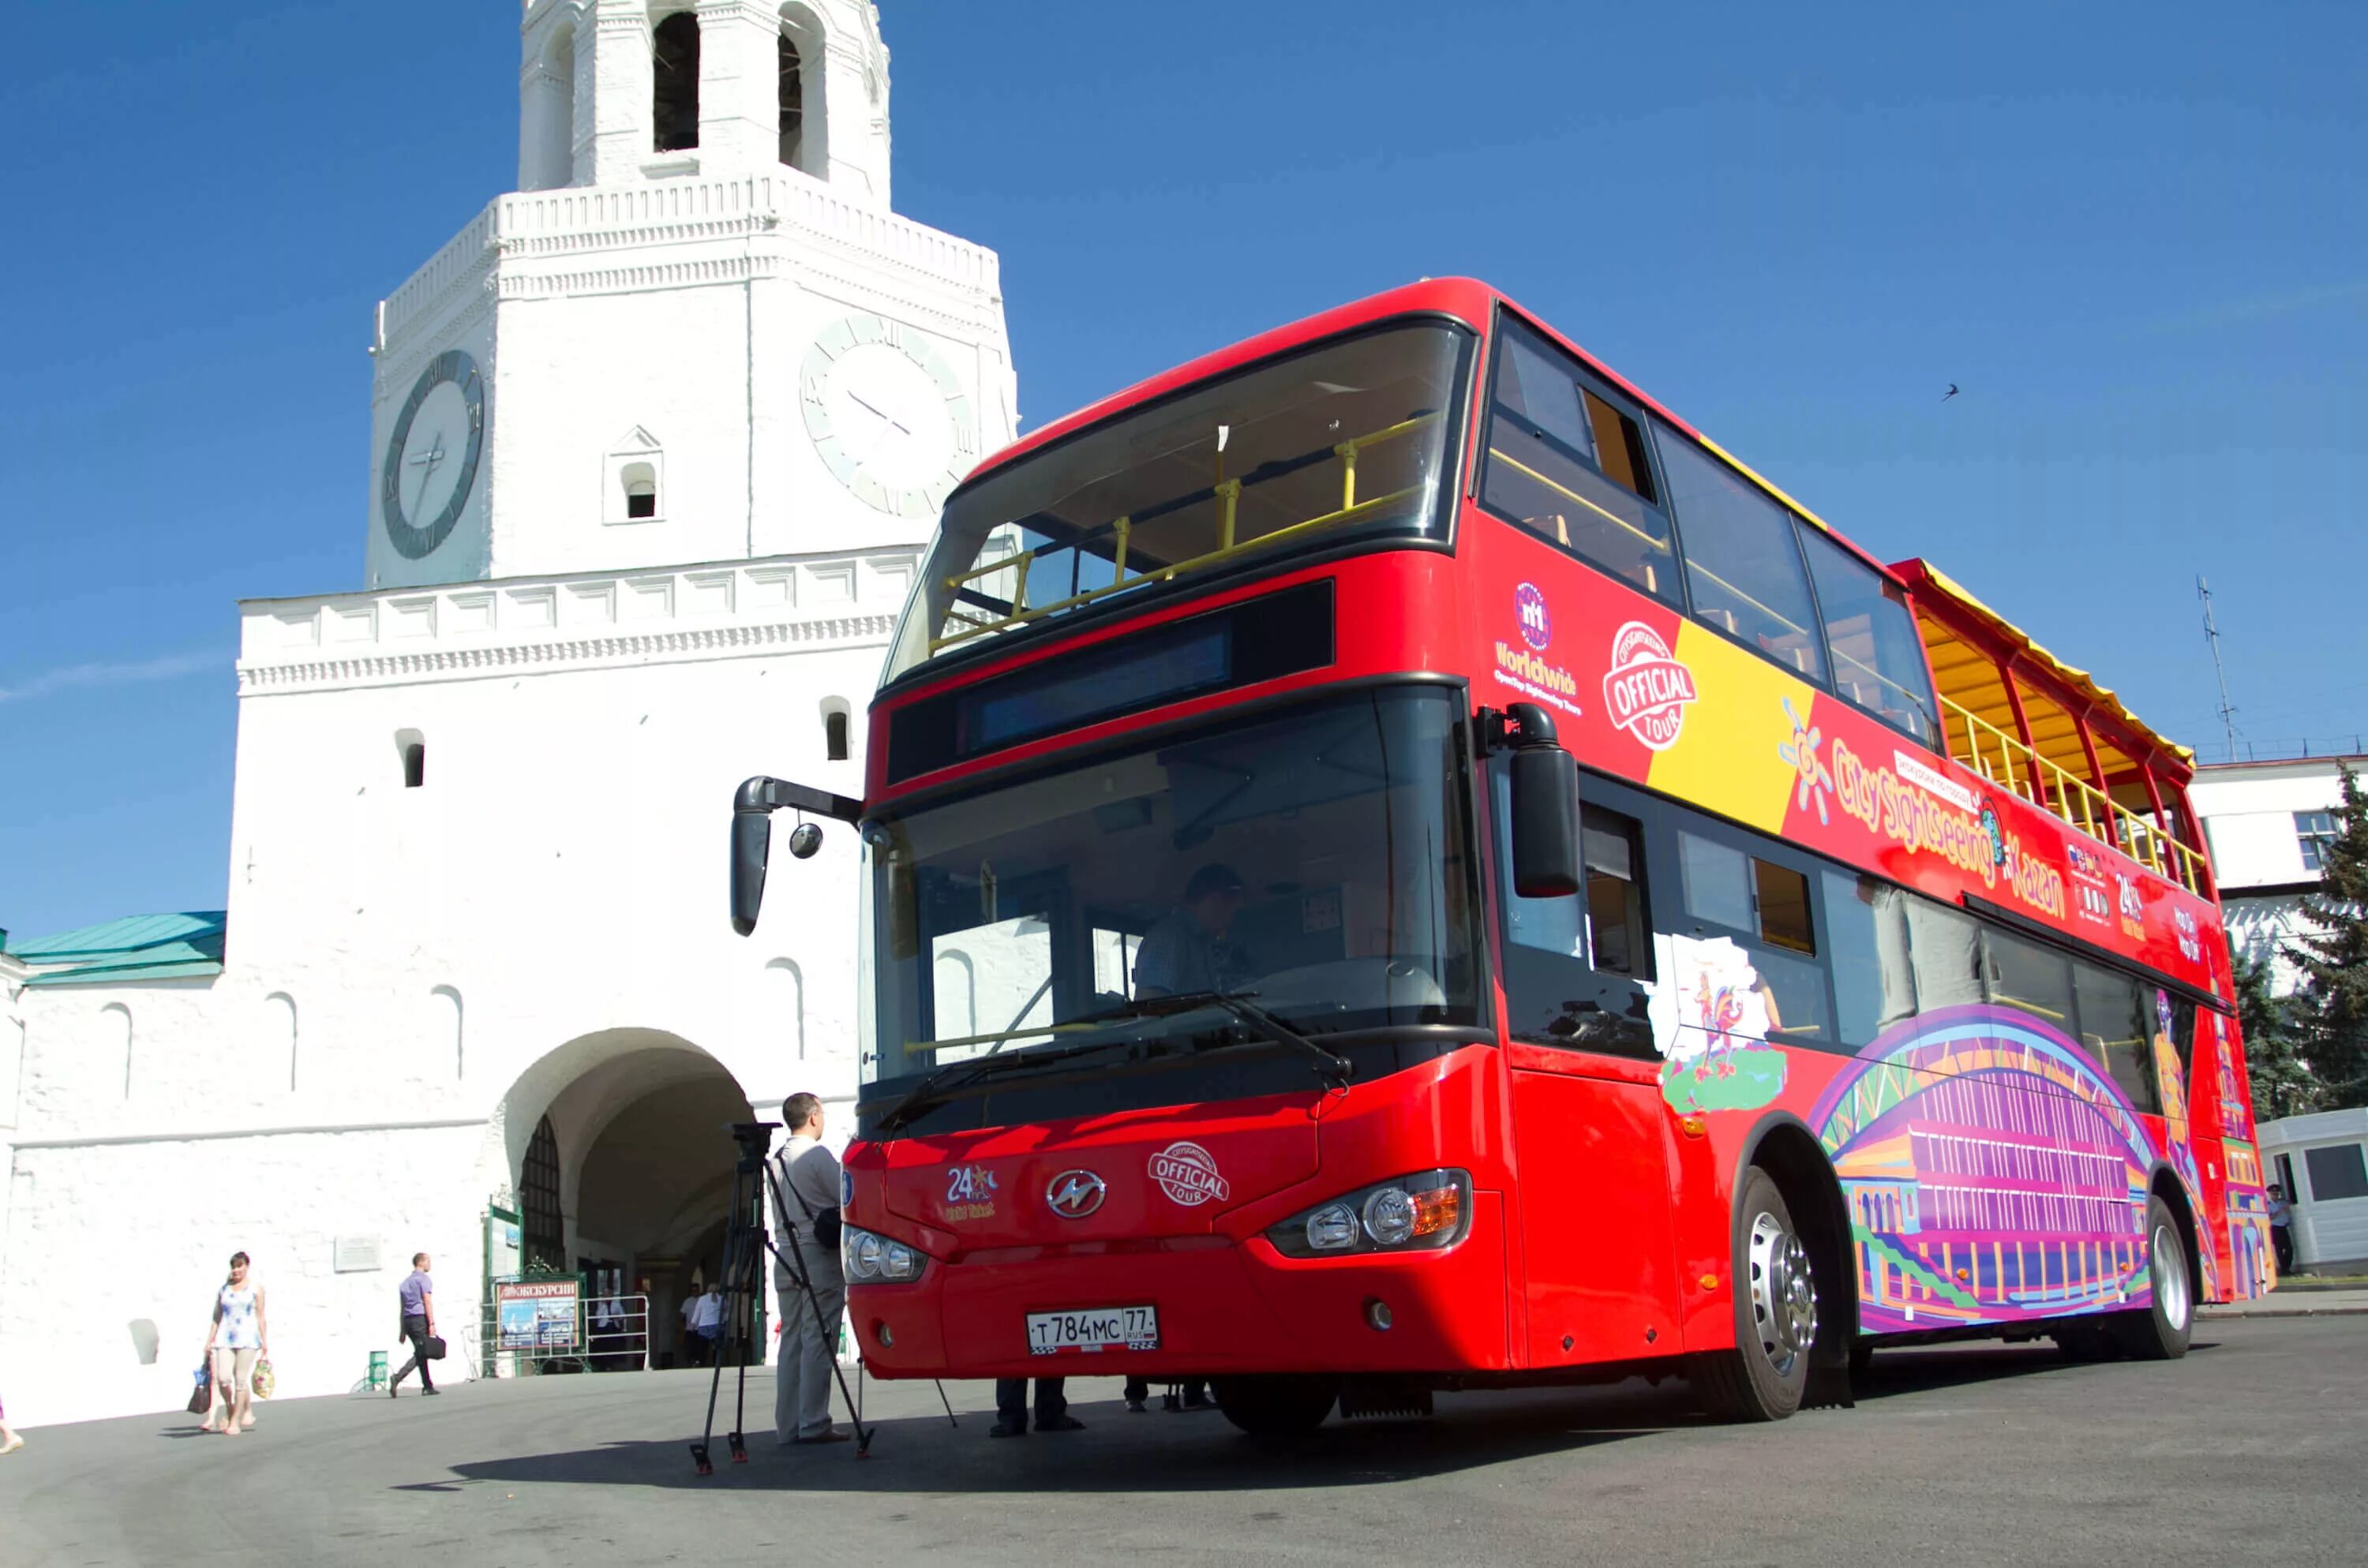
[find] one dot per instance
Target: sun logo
(1800, 751)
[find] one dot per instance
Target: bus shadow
(1931, 1369)
(1122, 1452)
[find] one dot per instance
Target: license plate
(1093, 1330)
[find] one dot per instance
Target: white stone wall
(540, 927)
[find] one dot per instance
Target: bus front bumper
(1225, 1305)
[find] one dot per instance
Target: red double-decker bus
(1393, 863)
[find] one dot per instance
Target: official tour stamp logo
(1188, 1174)
(1646, 690)
(1537, 623)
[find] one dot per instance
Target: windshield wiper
(1334, 1068)
(941, 1084)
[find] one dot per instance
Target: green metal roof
(138, 946)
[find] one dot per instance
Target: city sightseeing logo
(1188, 1174)
(1646, 689)
(1537, 624)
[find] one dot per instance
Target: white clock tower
(695, 333)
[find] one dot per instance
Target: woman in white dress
(241, 1334)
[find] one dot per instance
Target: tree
(2282, 1083)
(2331, 1010)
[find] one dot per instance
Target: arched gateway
(618, 1150)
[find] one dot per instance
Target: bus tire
(1764, 1377)
(1278, 1406)
(2160, 1330)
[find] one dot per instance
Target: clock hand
(888, 419)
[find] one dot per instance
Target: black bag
(434, 1347)
(825, 1223)
(201, 1401)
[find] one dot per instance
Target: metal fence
(565, 1333)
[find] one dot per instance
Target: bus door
(1589, 1135)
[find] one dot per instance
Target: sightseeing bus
(1393, 863)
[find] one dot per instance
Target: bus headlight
(1410, 1213)
(869, 1258)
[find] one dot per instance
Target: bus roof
(1474, 304)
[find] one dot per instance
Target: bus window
(1866, 942)
(1566, 462)
(1767, 905)
(2029, 979)
(1572, 964)
(1742, 565)
(1946, 949)
(1617, 926)
(2117, 1028)
(1877, 656)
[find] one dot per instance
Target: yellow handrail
(2075, 799)
(1227, 492)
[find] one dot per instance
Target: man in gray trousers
(806, 1184)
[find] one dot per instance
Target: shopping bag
(201, 1399)
(263, 1381)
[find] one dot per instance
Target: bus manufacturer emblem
(1072, 1195)
(1187, 1174)
(1646, 690)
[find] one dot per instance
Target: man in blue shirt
(418, 1299)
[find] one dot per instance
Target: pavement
(2251, 1449)
(2295, 1301)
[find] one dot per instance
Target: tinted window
(2031, 979)
(1553, 993)
(2116, 1030)
(1866, 946)
(1718, 881)
(1566, 462)
(1946, 951)
(1768, 903)
(2335, 1172)
(1878, 658)
(1742, 565)
(1619, 932)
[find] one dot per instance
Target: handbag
(201, 1399)
(824, 1224)
(263, 1382)
(434, 1348)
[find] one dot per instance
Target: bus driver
(1185, 950)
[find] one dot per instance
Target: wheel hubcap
(2169, 1268)
(1783, 1294)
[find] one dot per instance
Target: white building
(2266, 822)
(656, 443)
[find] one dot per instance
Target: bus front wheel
(1763, 1378)
(2160, 1330)
(1276, 1407)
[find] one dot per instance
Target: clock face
(887, 414)
(431, 459)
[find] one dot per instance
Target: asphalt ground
(2253, 1448)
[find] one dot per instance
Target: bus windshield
(1317, 861)
(1347, 440)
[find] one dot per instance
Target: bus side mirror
(752, 845)
(1544, 829)
(753, 805)
(1545, 822)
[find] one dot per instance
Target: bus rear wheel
(1276, 1407)
(2160, 1330)
(1763, 1378)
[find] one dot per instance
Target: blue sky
(2135, 235)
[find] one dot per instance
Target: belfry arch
(625, 1133)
